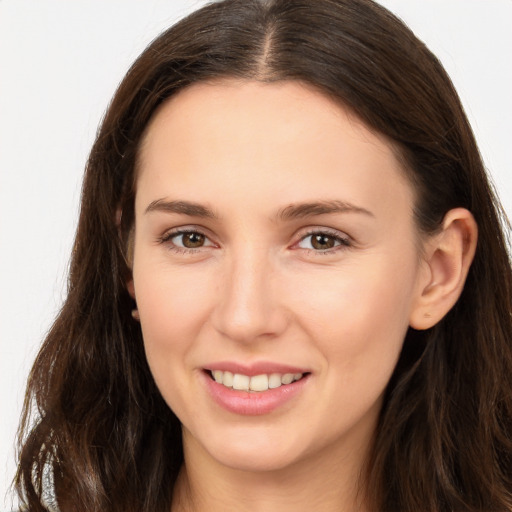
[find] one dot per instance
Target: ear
(447, 258)
(128, 252)
(130, 287)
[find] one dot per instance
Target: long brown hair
(96, 434)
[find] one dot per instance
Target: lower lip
(253, 403)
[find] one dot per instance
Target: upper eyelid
(169, 233)
(312, 230)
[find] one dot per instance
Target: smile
(255, 383)
(254, 390)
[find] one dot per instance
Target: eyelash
(166, 238)
(343, 242)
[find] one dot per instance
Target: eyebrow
(290, 212)
(301, 210)
(183, 207)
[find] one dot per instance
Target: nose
(249, 305)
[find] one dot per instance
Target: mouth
(255, 383)
(255, 389)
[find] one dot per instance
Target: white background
(59, 65)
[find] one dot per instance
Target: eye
(187, 239)
(190, 240)
(322, 241)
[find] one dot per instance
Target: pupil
(322, 242)
(192, 240)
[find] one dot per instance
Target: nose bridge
(247, 309)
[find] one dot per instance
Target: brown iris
(321, 241)
(193, 240)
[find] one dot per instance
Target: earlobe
(131, 290)
(448, 257)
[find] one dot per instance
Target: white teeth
(261, 382)
(287, 378)
(227, 379)
(241, 382)
(274, 381)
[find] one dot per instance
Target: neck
(326, 482)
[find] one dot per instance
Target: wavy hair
(97, 436)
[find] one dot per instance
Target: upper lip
(256, 368)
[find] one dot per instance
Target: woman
(283, 290)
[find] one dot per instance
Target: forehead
(252, 104)
(252, 136)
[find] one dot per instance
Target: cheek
(357, 297)
(173, 307)
(359, 319)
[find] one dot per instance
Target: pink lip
(252, 403)
(257, 368)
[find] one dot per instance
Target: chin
(255, 461)
(252, 450)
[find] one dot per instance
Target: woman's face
(274, 241)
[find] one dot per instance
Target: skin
(257, 290)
